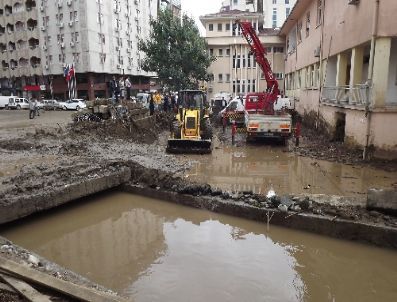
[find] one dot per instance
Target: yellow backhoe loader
(191, 130)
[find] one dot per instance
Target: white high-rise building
(100, 37)
(275, 11)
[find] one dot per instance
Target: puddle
(259, 168)
(158, 251)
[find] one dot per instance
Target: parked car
(51, 105)
(17, 103)
(74, 104)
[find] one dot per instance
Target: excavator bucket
(188, 146)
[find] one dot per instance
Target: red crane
(259, 52)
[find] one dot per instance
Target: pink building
(341, 66)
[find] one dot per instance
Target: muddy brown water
(262, 167)
(157, 251)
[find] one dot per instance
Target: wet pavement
(158, 251)
(264, 166)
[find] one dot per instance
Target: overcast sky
(197, 8)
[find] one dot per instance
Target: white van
(4, 101)
(17, 103)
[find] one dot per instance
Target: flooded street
(261, 167)
(159, 251)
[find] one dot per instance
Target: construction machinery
(266, 113)
(191, 130)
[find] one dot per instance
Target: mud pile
(143, 131)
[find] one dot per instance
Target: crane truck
(266, 113)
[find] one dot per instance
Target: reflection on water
(259, 168)
(158, 251)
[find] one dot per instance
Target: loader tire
(206, 129)
(176, 130)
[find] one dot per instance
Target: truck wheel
(206, 128)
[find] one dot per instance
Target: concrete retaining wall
(339, 228)
(60, 195)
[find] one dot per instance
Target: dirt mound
(17, 145)
(144, 130)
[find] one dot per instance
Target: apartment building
(100, 37)
(235, 70)
(341, 65)
(275, 11)
(174, 5)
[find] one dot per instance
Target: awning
(34, 88)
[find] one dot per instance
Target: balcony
(358, 96)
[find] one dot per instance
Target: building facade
(174, 5)
(38, 38)
(341, 66)
(235, 71)
(275, 11)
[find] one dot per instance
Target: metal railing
(357, 95)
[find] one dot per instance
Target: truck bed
(260, 125)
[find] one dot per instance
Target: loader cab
(192, 99)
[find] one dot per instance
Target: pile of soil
(128, 129)
(322, 146)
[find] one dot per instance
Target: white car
(75, 104)
(18, 103)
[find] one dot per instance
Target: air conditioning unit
(60, 25)
(41, 8)
(69, 2)
(127, 33)
(43, 28)
(117, 48)
(129, 67)
(71, 23)
(317, 52)
(136, 2)
(129, 50)
(127, 14)
(59, 4)
(76, 20)
(62, 45)
(44, 47)
(47, 67)
(136, 19)
(71, 44)
(353, 2)
(119, 66)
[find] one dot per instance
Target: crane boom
(260, 55)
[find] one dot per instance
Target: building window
(228, 77)
(319, 11)
(219, 26)
(211, 27)
(287, 11)
(211, 51)
(274, 17)
(278, 49)
(227, 26)
(307, 24)
(227, 51)
(286, 1)
(220, 78)
(235, 2)
(220, 51)
(299, 31)
(274, 1)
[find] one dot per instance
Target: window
(220, 51)
(307, 24)
(319, 11)
(287, 11)
(299, 31)
(220, 27)
(286, 1)
(274, 1)
(274, 17)
(220, 77)
(227, 26)
(235, 2)
(228, 77)
(211, 51)
(228, 51)
(278, 49)
(211, 27)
